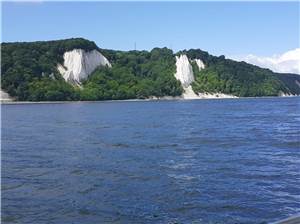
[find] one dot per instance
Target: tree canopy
(29, 72)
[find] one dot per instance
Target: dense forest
(134, 74)
(29, 73)
(236, 78)
(29, 69)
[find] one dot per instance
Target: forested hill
(29, 69)
(30, 72)
(240, 78)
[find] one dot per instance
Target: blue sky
(229, 28)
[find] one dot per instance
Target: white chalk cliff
(4, 96)
(79, 64)
(184, 73)
(200, 64)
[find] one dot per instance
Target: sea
(168, 162)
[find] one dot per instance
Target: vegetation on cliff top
(29, 73)
(134, 74)
(232, 77)
(29, 69)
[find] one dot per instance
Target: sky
(234, 29)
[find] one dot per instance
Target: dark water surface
(205, 161)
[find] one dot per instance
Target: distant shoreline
(137, 100)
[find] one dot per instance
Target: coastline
(6, 102)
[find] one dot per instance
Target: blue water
(205, 161)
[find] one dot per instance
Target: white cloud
(288, 62)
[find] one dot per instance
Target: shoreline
(6, 102)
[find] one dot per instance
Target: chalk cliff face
(200, 64)
(4, 96)
(79, 64)
(184, 71)
(189, 93)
